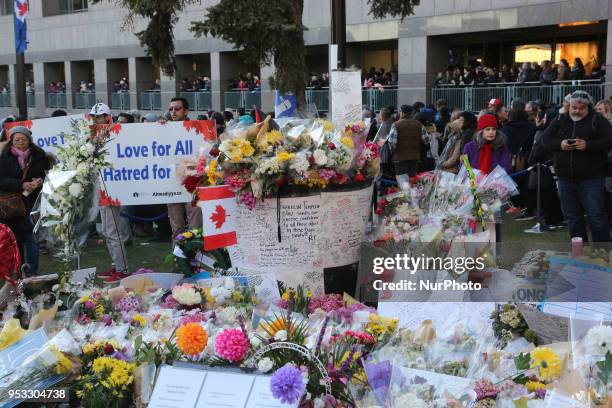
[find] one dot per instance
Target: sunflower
(547, 362)
(273, 327)
(533, 386)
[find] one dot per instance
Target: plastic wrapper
(46, 367)
(65, 210)
(144, 379)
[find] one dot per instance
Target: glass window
(532, 53)
(7, 7)
(72, 6)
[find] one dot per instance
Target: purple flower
(128, 304)
(107, 319)
(89, 305)
(541, 393)
(286, 384)
(120, 356)
(179, 237)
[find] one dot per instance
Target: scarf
(22, 156)
(485, 158)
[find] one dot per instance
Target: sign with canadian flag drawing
(145, 157)
(219, 216)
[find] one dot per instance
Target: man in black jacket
(580, 141)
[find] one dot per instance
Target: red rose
(311, 159)
(108, 349)
(280, 182)
(331, 146)
(359, 177)
(191, 183)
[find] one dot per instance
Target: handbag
(12, 206)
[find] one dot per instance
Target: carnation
(128, 304)
(287, 385)
(265, 364)
(87, 149)
(300, 164)
(598, 340)
(186, 295)
(320, 157)
(227, 315)
(232, 345)
(327, 303)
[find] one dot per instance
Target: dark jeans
(580, 197)
(409, 167)
(28, 250)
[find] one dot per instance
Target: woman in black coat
(23, 166)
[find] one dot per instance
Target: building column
(13, 85)
(412, 70)
(132, 82)
(215, 80)
(101, 80)
(69, 90)
(39, 90)
(168, 90)
(608, 83)
(267, 93)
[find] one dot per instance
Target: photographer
(580, 141)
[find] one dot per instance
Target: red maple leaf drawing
(218, 217)
(107, 201)
(205, 128)
(26, 123)
(23, 9)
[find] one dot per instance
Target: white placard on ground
(177, 388)
(225, 390)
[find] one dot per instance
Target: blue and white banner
(21, 27)
(284, 105)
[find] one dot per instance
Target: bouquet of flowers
(508, 323)
(68, 200)
(189, 254)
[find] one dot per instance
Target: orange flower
(271, 328)
(191, 339)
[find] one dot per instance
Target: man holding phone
(580, 141)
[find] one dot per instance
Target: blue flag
(21, 27)
(284, 105)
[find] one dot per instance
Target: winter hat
(496, 102)
(20, 129)
(486, 121)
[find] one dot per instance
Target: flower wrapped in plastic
(48, 366)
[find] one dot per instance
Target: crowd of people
(22, 170)
(370, 79)
(560, 150)
(545, 72)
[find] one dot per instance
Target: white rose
(82, 167)
(281, 335)
(87, 149)
(320, 157)
(229, 284)
(255, 340)
(75, 189)
(265, 364)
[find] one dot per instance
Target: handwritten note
(411, 314)
(346, 96)
(259, 248)
(549, 328)
(344, 216)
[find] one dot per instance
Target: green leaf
(605, 369)
(521, 362)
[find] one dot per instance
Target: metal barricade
(191, 100)
(203, 100)
(233, 99)
(120, 100)
(5, 99)
(31, 100)
(252, 98)
(150, 100)
(318, 98)
(84, 100)
(475, 98)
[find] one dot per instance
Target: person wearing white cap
(116, 229)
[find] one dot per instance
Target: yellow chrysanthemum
(347, 141)
(271, 138)
(246, 149)
(140, 320)
(285, 296)
(188, 234)
(63, 365)
(237, 296)
(328, 126)
(191, 339)
(533, 386)
(547, 362)
(284, 156)
(117, 373)
(84, 299)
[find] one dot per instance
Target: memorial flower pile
(258, 160)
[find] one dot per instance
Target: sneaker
(524, 216)
(513, 210)
(116, 277)
(108, 273)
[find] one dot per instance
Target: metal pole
(20, 92)
(538, 197)
(338, 31)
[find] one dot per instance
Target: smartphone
(571, 141)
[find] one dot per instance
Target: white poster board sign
(345, 87)
(145, 157)
(48, 133)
